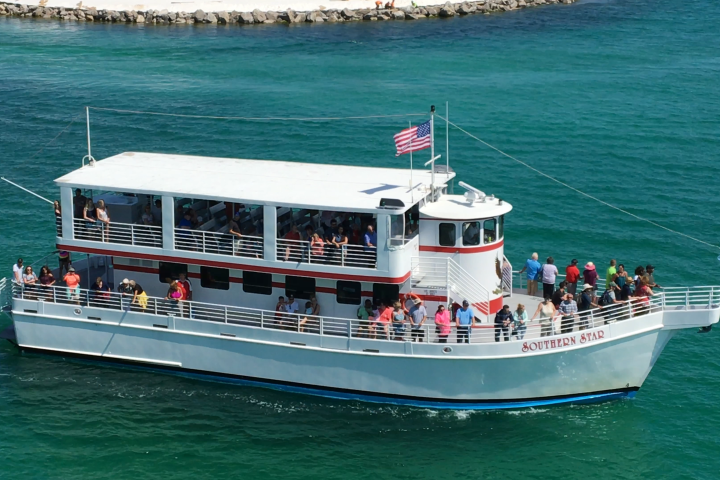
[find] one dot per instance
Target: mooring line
(560, 182)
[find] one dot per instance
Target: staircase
(429, 273)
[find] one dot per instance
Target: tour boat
(431, 244)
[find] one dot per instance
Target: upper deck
(263, 182)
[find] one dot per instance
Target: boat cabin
(242, 230)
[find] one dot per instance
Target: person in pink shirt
(442, 322)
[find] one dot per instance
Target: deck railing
(693, 298)
(328, 254)
(219, 243)
(122, 233)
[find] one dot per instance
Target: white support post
(66, 201)
(87, 121)
(269, 233)
(168, 222)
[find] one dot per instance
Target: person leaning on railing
(99, 294)
(442, 323)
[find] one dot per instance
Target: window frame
(175, 270)
(440, 235)
(464, 229)
(501, 227)
(257, 288)
(495, 225)
(303, 293)
(219, 284)
(378, 296)
(347, 300)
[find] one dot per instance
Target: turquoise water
(618, 98)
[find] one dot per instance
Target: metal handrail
(334, 326)
(219, 243)
(348, 256)
(121, 233)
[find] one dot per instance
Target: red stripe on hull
(462, 250)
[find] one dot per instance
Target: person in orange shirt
(572, 275)
(385, 318)
(72, 280)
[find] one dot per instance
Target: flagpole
(432, 152)
(447, 139)
(412, 190)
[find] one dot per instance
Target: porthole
(77, 311)
(447, 350)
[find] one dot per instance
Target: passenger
(104, 218)
(89, 215)
(174, 296)
(157, 213)
(99, 294)
(548, 274)
(186, 286)
(464, 320)
(252, 245)
(417, 316)
(520, 320)
(590, 276)
(72, 281)
(194, 220)
(442, 323)
(58, 217)
(18, 271)
(147, 216)
(572, 275)
(140, 298)
(532, 266)
(355, 237)
(627, 290)
(568, 309)
(649, 270)
(186, 221)
(326, 219)
(559, 294)
(79, 203)
(471, 235)
(365, 317)
(503, 319)
(317, 249)
(585, 304)
(622, 276)
(639, 272)
(307, 318)
(338, 242)
(47, 280)
(384, 318)
(609, 274)
(29, 280)
(546, 310)
(63, 261)
(398, 321)
(370, 239)
(126, 291)
(315, 310)
(293, 250)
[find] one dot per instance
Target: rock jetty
(289, 16)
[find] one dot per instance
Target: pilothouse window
(471, 233)
(447, 235)
(489, 233)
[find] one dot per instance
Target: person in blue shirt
(464, 320)
(370, 240)
(533, 267)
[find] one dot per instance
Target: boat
(223, 224)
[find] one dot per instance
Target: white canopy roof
(456, 207)
(263, 182)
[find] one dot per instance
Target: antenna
(447, 139)
(91, 160)
(432, 152)
(472, 193)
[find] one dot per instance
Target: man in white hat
(585, 303)
(127, 292)
(418, 315)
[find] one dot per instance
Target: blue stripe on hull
(364, 397)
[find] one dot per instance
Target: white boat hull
(606, 362)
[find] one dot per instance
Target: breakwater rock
(289, 16)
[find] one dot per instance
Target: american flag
(413, 139)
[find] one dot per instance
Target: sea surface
(618, 98)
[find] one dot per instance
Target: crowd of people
(332, 244)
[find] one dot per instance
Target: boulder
(246, 17)
(522, 4)
(223, 18)
(271, 17)
(432, 11)
(334, 17)
(370, 16)
(467, 8)
(139, 19)
(210, 18)
(413, 16)
(347, 14)
(300, 18)
(198, 16)
(259, 16)
(448, 10)
(398, 15)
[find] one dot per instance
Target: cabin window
(217, 278)
(171, 270)
(386, 293)
(397, 229)
(349, 293)
(471, 233)
(256, 282)
(489, 233)
(447, 234)
(501, 227)
(299, 287)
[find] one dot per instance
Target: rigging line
(580, 191)
(56, 137)
(308, 119)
